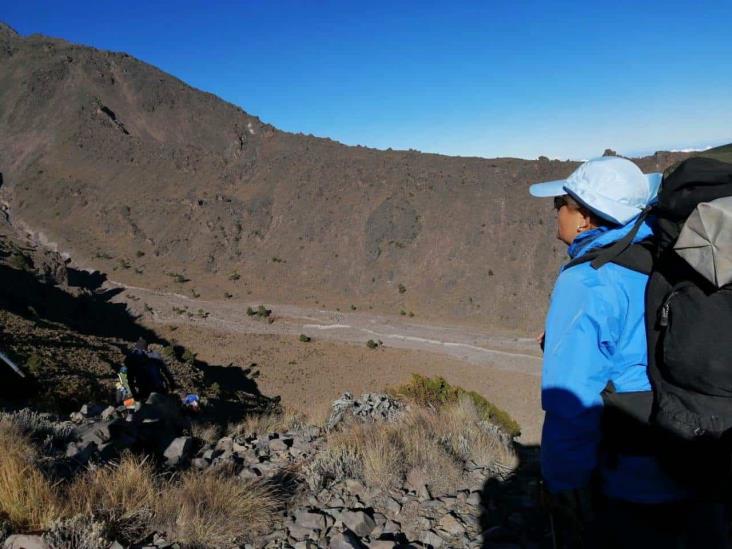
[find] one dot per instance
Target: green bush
(188, 356)
(371, 344)
(305, 339)
(436, 392)
(234, 276)
(263, 311)
(251, 312)
(402, 288)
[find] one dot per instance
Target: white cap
(613, 188)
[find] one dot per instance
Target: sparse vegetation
(188, 356)
(305, 339)
(178, 278)
(371, 344)
(234, 276)
(139, 253)
(437, 392)
(427, 446)
(215, 509)
(228, 295)
(402, 288)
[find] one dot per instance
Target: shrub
(139, 253)
(263, 312)
(28, 500)
(305, 339)
(234, 276)
(188, 356)
(402, 288)
(371, 344)
(215, 509)
(122, 495)
(251, 312)
(437, 392)
(169, 352)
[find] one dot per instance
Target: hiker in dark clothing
(147, 372)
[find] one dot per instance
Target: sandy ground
(308, 376)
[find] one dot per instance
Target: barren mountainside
(135, 173)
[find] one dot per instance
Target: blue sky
(485, 78)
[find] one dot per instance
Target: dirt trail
(476, 347)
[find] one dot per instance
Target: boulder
(451, 525)
(345, 540)
(179, 451)
(310, 519)
(358, 522)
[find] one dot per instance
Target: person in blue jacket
(595, 334)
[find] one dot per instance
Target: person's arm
(581, 330)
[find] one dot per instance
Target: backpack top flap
(695, 180)
(705, 241)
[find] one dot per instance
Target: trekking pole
(553, 531)
(11, 364)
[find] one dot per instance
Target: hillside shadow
(88, 313)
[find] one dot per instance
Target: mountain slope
(135, 173)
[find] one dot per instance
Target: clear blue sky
(563, 78)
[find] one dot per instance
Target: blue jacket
(595, 333)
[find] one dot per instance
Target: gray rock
(392, 506)
(473, 499)
(299, 533)
(345, 540)
(178, 451)
(391, 527)
(278, 445)
(81, 453)
(25, 542)
(358, 522)
(450, 524)
(109, 412)
(431, 538)
(310, 519)
(382, 544)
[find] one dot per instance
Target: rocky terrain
(323, 491)
(138, 175)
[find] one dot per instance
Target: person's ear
(585, 221)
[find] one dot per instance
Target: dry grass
(431, 446)
(28, 499)
(213, 509)
(123, 495)
(207, 432)
(269, 423)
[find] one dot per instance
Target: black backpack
(687, 419)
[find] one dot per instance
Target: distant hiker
(147, 372)
(606, 489)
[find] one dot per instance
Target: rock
(450, 524)
(225, 444)
(391, 527)
(423, 494)
(307, 544)
(382, 544)
(345, 540)
(278, 445)
(392, 506)
(474, 499)
(178, 451)
(358, 522)
(310, 519)
(379, 519)
(25, 542)
(299, 533)
(431, 538)
(81, 453)
(109, 412)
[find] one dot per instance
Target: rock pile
(371, 407)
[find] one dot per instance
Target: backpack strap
(636, 257)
